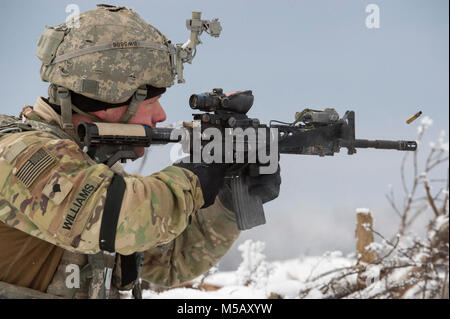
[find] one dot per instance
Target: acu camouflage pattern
(112, 75)
(160, 214)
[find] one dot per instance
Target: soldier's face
(150, 112)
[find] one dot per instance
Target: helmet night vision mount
(185, 53)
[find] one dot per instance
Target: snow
(311, 277)
(424, 124)
(316, 277)
(228, 292)
(286, 278)
(373, 273)
(253, 270)
(440, 221)
(442, 145)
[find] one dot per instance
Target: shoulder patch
(15, 150)
(29, 171)
(57, 188)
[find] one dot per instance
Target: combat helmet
(113, 57)
(109, 55)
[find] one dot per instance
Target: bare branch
(401, 285)
(443, 160)
(409, 267)
(430, 198)
(415, 165)
(425, 198)
(402, 170)
(379, 260)
(391, 201)
(331, 272)
(410, 196)
(429, 159)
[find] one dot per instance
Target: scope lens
(193, 101)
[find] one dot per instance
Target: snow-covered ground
(400, 271)
(286, 279)
(256, 278)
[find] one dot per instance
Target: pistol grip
(248, 209)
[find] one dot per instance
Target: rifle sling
(113, 203)
(111, 213)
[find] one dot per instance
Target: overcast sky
(292, 54)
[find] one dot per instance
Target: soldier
(58, 207)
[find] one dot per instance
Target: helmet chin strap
(64, 100)
(92, 117)
(63, 95)
(139, 96)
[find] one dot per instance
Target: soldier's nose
(159, 114)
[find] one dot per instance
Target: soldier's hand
(266, 186)
(211, 177)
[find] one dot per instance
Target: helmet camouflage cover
(107, 55)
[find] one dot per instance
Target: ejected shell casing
(412, 118)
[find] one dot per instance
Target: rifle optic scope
(239, 102)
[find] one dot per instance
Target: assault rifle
(313, 132)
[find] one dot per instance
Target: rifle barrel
(387, 145)
(161, 135)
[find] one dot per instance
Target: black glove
(266, 187)
(211, 177)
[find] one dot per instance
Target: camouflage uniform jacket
(50, 189)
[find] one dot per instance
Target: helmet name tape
(125, 44)
(111, 46)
